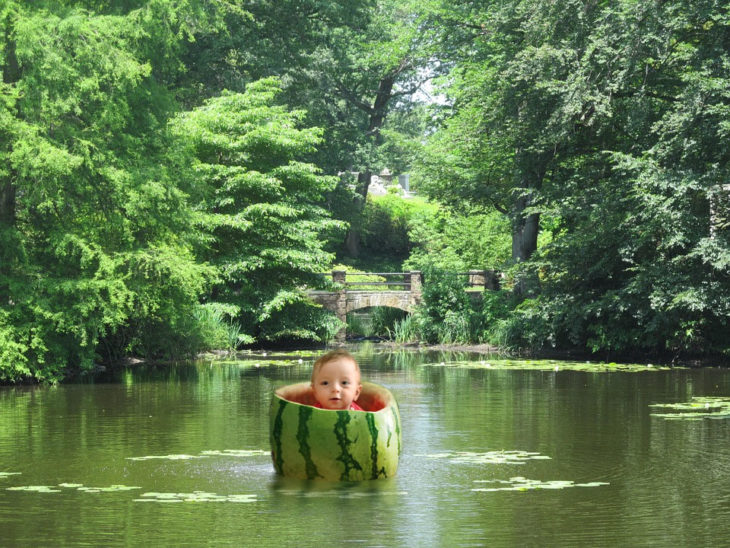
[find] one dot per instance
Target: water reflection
(202, 428)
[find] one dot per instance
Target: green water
(495, 454)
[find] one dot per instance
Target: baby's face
(337, 384)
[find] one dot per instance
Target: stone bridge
(402, 290)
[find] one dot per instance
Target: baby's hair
(331, 356)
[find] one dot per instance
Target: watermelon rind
(334, 445)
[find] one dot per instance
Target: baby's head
(336, 380)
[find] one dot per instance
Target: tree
(646, 268)
(509, 85)
(347, 63)
(606, 120)
(95, 235)
(261, 206)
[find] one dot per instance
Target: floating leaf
(77, 486)
(195, 496)
(35, 488)
(6, 474)
(490, 457)
(523, 484)
(698, 408)
(110, 489)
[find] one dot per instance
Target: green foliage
(261, 207)
(406, 330)
(385, 318)
(445, 239)
(357, 326)
(446, 314)
(300, 321)
(379, 321)
(423, 234)
(607, 122)
(97, 237)
(601, 126)
(385, 222)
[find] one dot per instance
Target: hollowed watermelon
(312, 443)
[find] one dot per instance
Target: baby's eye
(324, 383)
(345, 382)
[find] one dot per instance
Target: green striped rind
(311, 443)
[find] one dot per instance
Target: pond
(496, 452)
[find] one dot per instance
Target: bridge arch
(345, 300)
(406, 297)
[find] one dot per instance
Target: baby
(336, 381)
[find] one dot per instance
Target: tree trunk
(7, 204)
(376, 118)
(525, 228)
(352, 238)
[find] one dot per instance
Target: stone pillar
(340, 277)
(386, 177)
(415, 286)
(477, 278)
(404, 181)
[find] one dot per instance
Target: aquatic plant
(519, 483)
(7, 474)
(35, 488)
(489, 457)
(698, 408)
(195, 496)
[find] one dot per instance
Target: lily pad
(7, 474)
(519, 483)
(195, 496)
(490, 457)
(110, 489)
(698, 408)
(35, 488)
